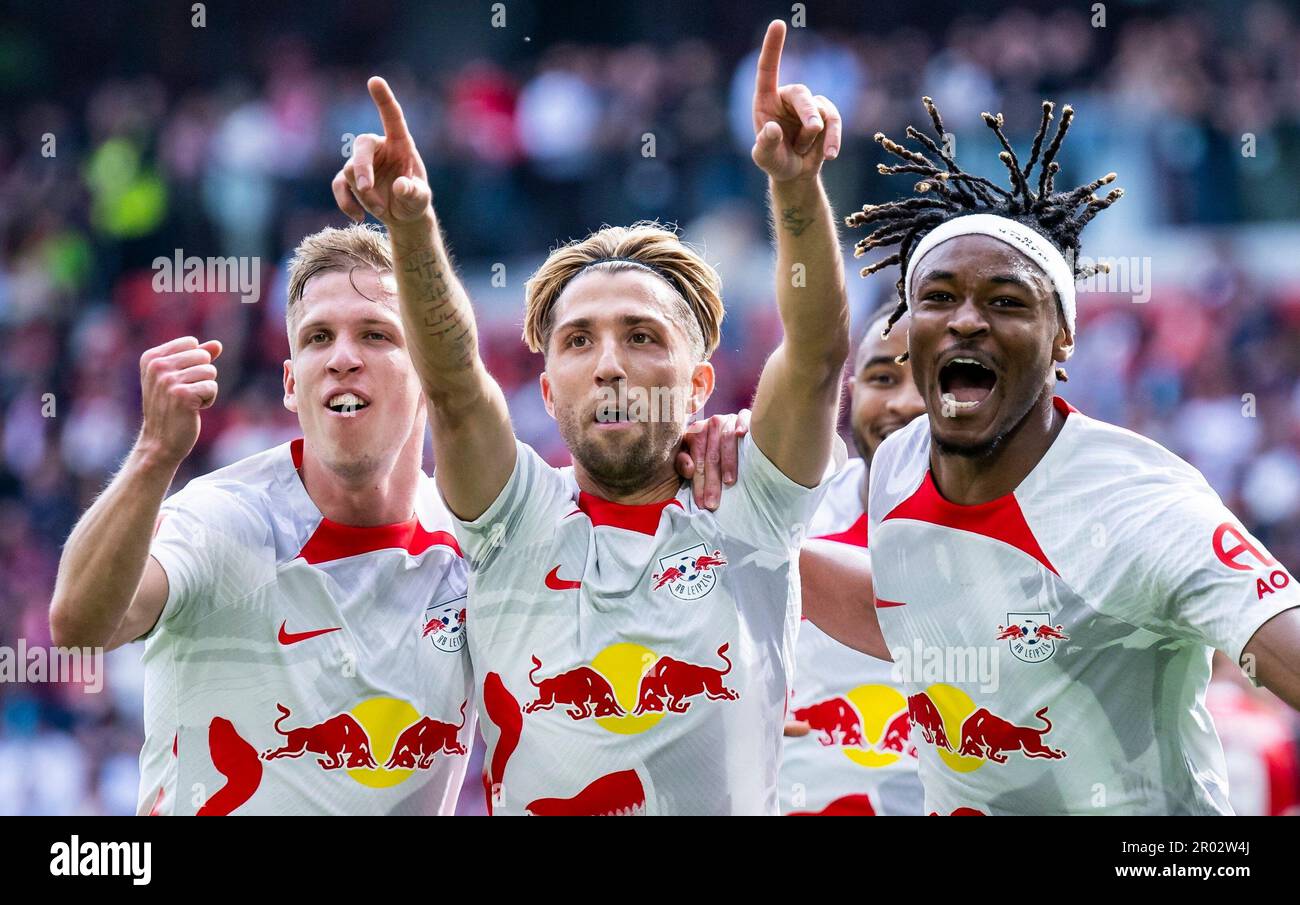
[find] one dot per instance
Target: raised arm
(109, 590)
(796, 406)
(472, 438)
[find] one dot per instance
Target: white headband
(1020, 237)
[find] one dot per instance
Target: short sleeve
(527, 504)
(764, 505)
(212, 544)
(1205, 577)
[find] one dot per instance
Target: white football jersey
(635, 659)
(858, 758)
(301, 666)
(1056, 641)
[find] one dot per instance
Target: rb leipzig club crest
(1031, 636)
(444, 623)
(688, 574)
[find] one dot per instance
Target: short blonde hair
(644, 245)
(358, 245)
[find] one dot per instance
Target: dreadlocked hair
(945, 191)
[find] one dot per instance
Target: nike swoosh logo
(881, 603)
(287, 638)
(556, 583)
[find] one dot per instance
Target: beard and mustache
(621, 462)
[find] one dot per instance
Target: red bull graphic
(985, 737)
(420, 742)
(583, 691)
(868, 723)
(614, 795)
(670, 682)
(688, 574)
(628, 688)
(1031, 637)
(925, 716)
(338, 741)
(346, 741)
(897, 734)
(835, 719)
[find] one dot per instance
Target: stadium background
(221, 140)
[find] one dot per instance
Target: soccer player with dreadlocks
(1100, 569)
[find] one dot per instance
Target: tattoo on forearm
(792, 220)
(444, 320)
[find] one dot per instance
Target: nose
(968, 320)
(609, 365)
(345, 357)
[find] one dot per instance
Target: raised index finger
(769, 59)
(390, 111)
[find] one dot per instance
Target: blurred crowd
(527, 148)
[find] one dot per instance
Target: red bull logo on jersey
(688, 574)
(627, 688)
(966, 737)
(869, 724)
(1031, 636)
(444, 624)
(381, 742)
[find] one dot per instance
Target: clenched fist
(177, 381)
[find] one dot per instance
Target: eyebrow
(877, 360)
(365, 321)
(998, 279)
(627, 320)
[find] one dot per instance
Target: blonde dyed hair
(641, 246)
(358, 245)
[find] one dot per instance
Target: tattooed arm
(797, 403)
(473, 440)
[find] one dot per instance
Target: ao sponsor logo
(103, 859)
(1238, 556)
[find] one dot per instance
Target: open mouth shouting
(966, 380)
(346, 403)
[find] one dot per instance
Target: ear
(1062, 345)
(290, 396)
(546, 394)
(702, 382)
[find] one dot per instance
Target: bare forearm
(436, 312)
(106, 554)
(838, 596)
(810, 289)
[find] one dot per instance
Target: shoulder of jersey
(1105, 456)
(250, 481)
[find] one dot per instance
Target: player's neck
(382, 496)
(969, 481)
(661, 486)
